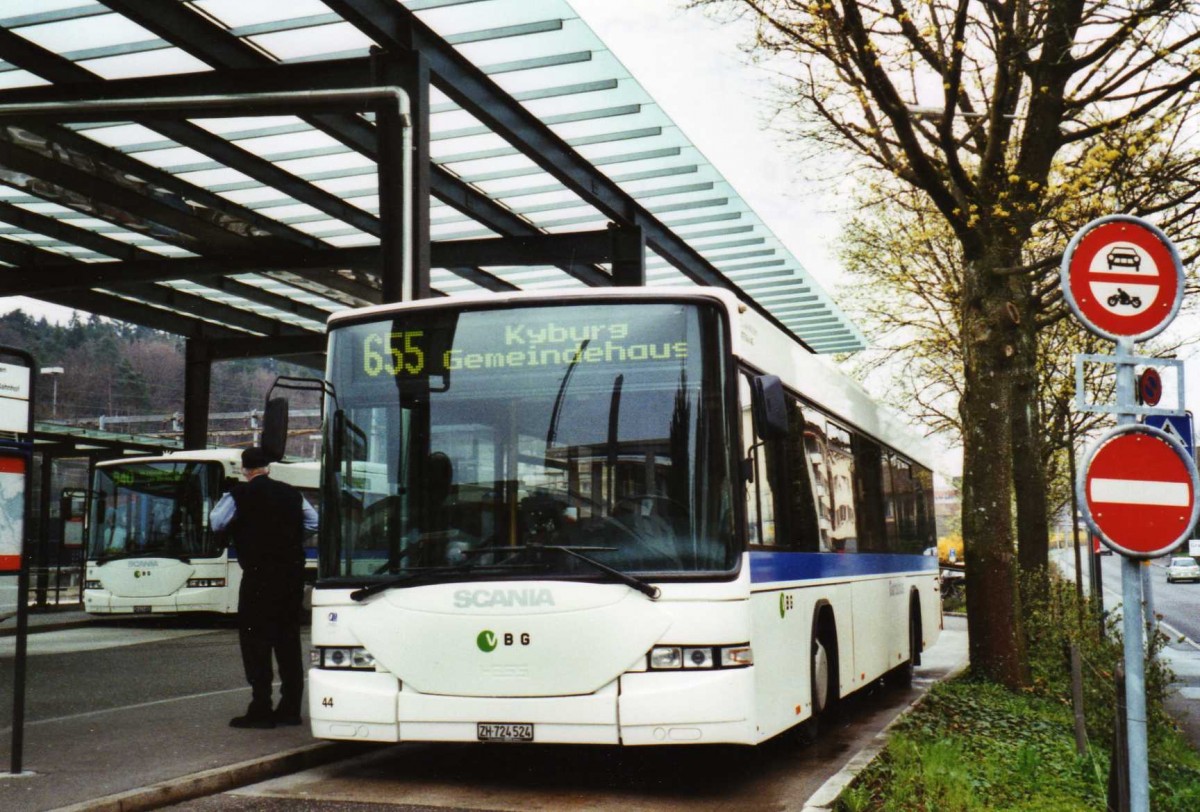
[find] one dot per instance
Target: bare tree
(995, 111)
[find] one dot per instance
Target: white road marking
(1140, 492)
(90, 638)
(125, 708)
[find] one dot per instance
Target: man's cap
(254, 458)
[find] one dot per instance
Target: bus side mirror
(275, 428)
(769, 405)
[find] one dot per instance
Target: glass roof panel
(68, 35)
(151, 63)
(121, 135)
(309, 42)
(235, 13)
(539, 51)
(15, 13)
(19, 78)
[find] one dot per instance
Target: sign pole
(1131, 620)
(1123, 279)
(16, 416)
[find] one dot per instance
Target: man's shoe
(249, 720)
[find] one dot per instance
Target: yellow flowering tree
(1009, 118)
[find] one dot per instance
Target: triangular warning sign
(1169, 429)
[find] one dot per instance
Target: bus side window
(806, 489)
(840, 461)
(868, 494)
(760, 495)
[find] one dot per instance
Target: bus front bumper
(103, 602)
(694, 707)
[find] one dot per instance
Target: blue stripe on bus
(310, 553)
(766, 567)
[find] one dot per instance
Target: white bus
(150, 549)
(622, 516)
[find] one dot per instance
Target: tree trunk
(989, 350)
(1029, 471)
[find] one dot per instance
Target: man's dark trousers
(269, 625)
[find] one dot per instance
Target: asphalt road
(114, 707)
(1179, 603)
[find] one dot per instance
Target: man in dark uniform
(266, 520)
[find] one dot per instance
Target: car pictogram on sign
(1122, 278)
(1123, 257)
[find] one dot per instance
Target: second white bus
(150, 549)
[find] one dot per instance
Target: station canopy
(252, 229)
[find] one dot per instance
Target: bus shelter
(233, 173)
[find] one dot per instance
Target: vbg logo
(488, 641)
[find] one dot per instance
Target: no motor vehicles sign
(1122, 278)
(1139, 491)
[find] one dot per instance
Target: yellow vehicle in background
(950, 551)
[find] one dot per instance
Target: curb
(216, 780)
(826, 796)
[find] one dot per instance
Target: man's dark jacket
(268, 534)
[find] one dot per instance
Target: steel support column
(197, 383)
(400, 277)
(628, 256)
(408, 70)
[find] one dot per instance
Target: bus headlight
(663, 657)
(200, 583)
(670, 658)
(342, 657)
(91, 585)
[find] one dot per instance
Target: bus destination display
(493, 344)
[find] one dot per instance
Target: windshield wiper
(418, 574)
(649, 590)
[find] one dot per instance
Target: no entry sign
(1139, 491)
(1122, 278)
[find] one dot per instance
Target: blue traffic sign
(1178, 426)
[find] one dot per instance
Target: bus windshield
(476, 443)
(154, 509)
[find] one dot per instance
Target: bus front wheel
(822, 666)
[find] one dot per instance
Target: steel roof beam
(103, 304)
(51, 66)
(214, 46)
(543, 249)
(140, 265)
(237, 218)
(32, 260)
(312, 344)
(392, 26)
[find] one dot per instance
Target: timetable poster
(12, 511)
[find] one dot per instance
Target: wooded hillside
(119, 370)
